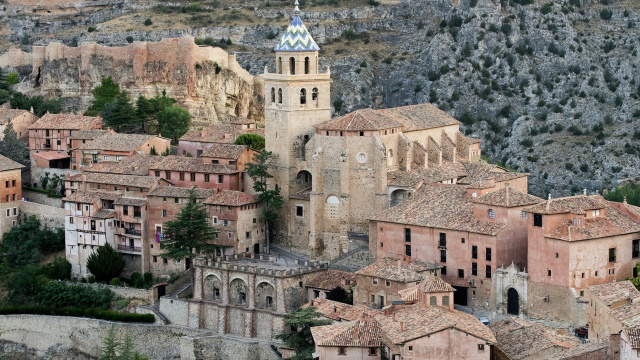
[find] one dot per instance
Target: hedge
(78, 312)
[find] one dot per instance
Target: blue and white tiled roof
(297, 37)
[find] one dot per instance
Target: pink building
(228, 154)
(53, 131)
(196, 142)
(470, 237)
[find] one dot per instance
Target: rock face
(208, 81)
(551, 86)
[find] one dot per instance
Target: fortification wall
(43, 335)
(50, 216)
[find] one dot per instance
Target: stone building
(353, 340)
(113, 147)
(10, 193)
(247, 297)
(20, 119)
(577, 242)
(519, 339)
(379, 283)
(52, 132)
(196, 142)
(630, 344)
(467, 234)
(130, 185)
(319, 286)
(612, 308)
(334, 174)
(228, 154)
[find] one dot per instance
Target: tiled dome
(297, 37)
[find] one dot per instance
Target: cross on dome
(296, 37)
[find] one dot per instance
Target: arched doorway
(513, 302)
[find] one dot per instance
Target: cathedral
(336, 174)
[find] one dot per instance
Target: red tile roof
(507, 198)
(359, 120)
(231, 198)
(51, 155)
(10, 114)
(570, 204)
(338, 311)
(8, 164)
(117, 142)
(633, 336)
(398, 268)
(615, 292)
(331, 279)
(435, 284)
(364, 332)
(224, 151)
(67, 122)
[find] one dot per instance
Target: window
(410, 348)
(463, 240)
(407, 250)
(6, 184)
(549, 273)
(372, 351)
(164, 261)
(635, 252)
(168, 175)
(480, 347)
(181, 176)
(164, 213)
(443, 240)
(342, 351)
(523, 214)
(474, 194)
(105, 157)
(226, 223)
(488, 254)
(155, 259)
(247, 234)
(612, 255)
(303, 96)
(433, 301)
(474, 269)
(407, 235)
(13, 183)
(537, 220)
(176, 200)
(596, 212)
(299, 210)
(157, 172)
(8, 212)
(361, 133)
(460, 273)
(206, 177)
(362, 158)
(279, 96)
(488, 271)
(374, 281)
(445, 300)
(292, 66)
(193, 176)
(388, 283)
(70, 220)
(220, 179)
(215, 220)
(474, 252)
(125, 210)
(443, 256)
(273, 95)
(78, 207)
(492, 215)
(443, 271)
(314, 94)
(255, 220)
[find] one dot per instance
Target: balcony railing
(129, 248)
(132, 232)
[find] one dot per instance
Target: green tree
(173, 122)
(25, 283)
(12, 147)
(188, 231)
(148, 109)
(115, 349)
(12, 78)
(105, 263)
(120, 114)
(3, 80)
(272, 200)
(103, 94)
(58, 269)
(38, 103)
(300, 337)
(630, 192)
(253, 141)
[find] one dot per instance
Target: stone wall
(40, 198)
(127, 292)
(43, 335)
(562, 304)
(175, 310)
(50, 216)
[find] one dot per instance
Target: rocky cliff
(551, 87)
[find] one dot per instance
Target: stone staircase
(355, 259)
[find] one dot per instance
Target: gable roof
(331, 279)
(219, 133)
(117, 142)
(118, 179)
(612, 223)
(91, 196)
(224, 151)
(231, 198)
(10, 114)
(398, 268)
(296, 38)
(88, 134)
(359, 120)
(67, 122)
(633, 336)
(612, 293)
(435, 284)
(364, 332)
(8, 164)
(439, 206)
(507, 197)
(338, 311)
(570, 204)
(180, 192)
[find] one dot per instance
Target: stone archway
(513, 302)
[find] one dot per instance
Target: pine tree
(106, 263)
(188, 231)
(272, 200)
(300, 337)
(120, 113)
(3, 80)
(13, 148)
(173, 122)
(110, 345)
(103, 94)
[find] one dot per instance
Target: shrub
(584, 167)
(59, 294)
(606, 14)
(115, 282)
(136, 280)
(254, 141)
(12, 78)
(473, 3)
(526, 142)
(129, 39)
(568, 166)
(271, 35)
(148, 279)
(105, 263)
(546, 8)
(91, 29)
(78, 312)
(148, 22)
(58, 269)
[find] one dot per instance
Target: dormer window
(474, 194)
(596, 212)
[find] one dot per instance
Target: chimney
(625, 200)
(548, 201)
(31, 110)
(584, 192)
(506, 188)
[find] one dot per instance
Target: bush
(148, 22)
(253, 141)
(148, 279)
(115, 282)
(12, 78)
(546, 8)
(136, 280)
(78, 312)
(58, 269)
(59, 294)
(606, 14)
(526, 143)
(105, 263)
(91, 29)
(129, 39)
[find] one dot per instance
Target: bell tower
(297, 96)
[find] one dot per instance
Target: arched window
(279, 96)
(314, 94)
(445, 300)
(303, 96)
(280, 65)
(433, 301)
(333, 203)
(273, 95)
(492, 215)
(306, 65)
(292, 65)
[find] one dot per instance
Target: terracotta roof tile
(130, 201)
(435, 284)
(416, 321)
(67, 122)
(331, 279)
(117, 142)
(519, 339)
(88, 134)
(419, 117)
(51, 155)
(119, 179)
(398, 268)
(8, 164)
(304, 194)
(419, 175)
(615, 292)
(439, 206)
(569, 204)
(104, 214)
(364, 332)
(91, 196)
(359, 120)
(338, 311)
(515, 198)
(231, 198)
(219, 133)
(136, 164)
(225, 151)
(188, 164)
(614, 222)
(633, 336)
(180, 192)
(10, 114)
(627, 315)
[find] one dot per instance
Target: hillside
(551, 87)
